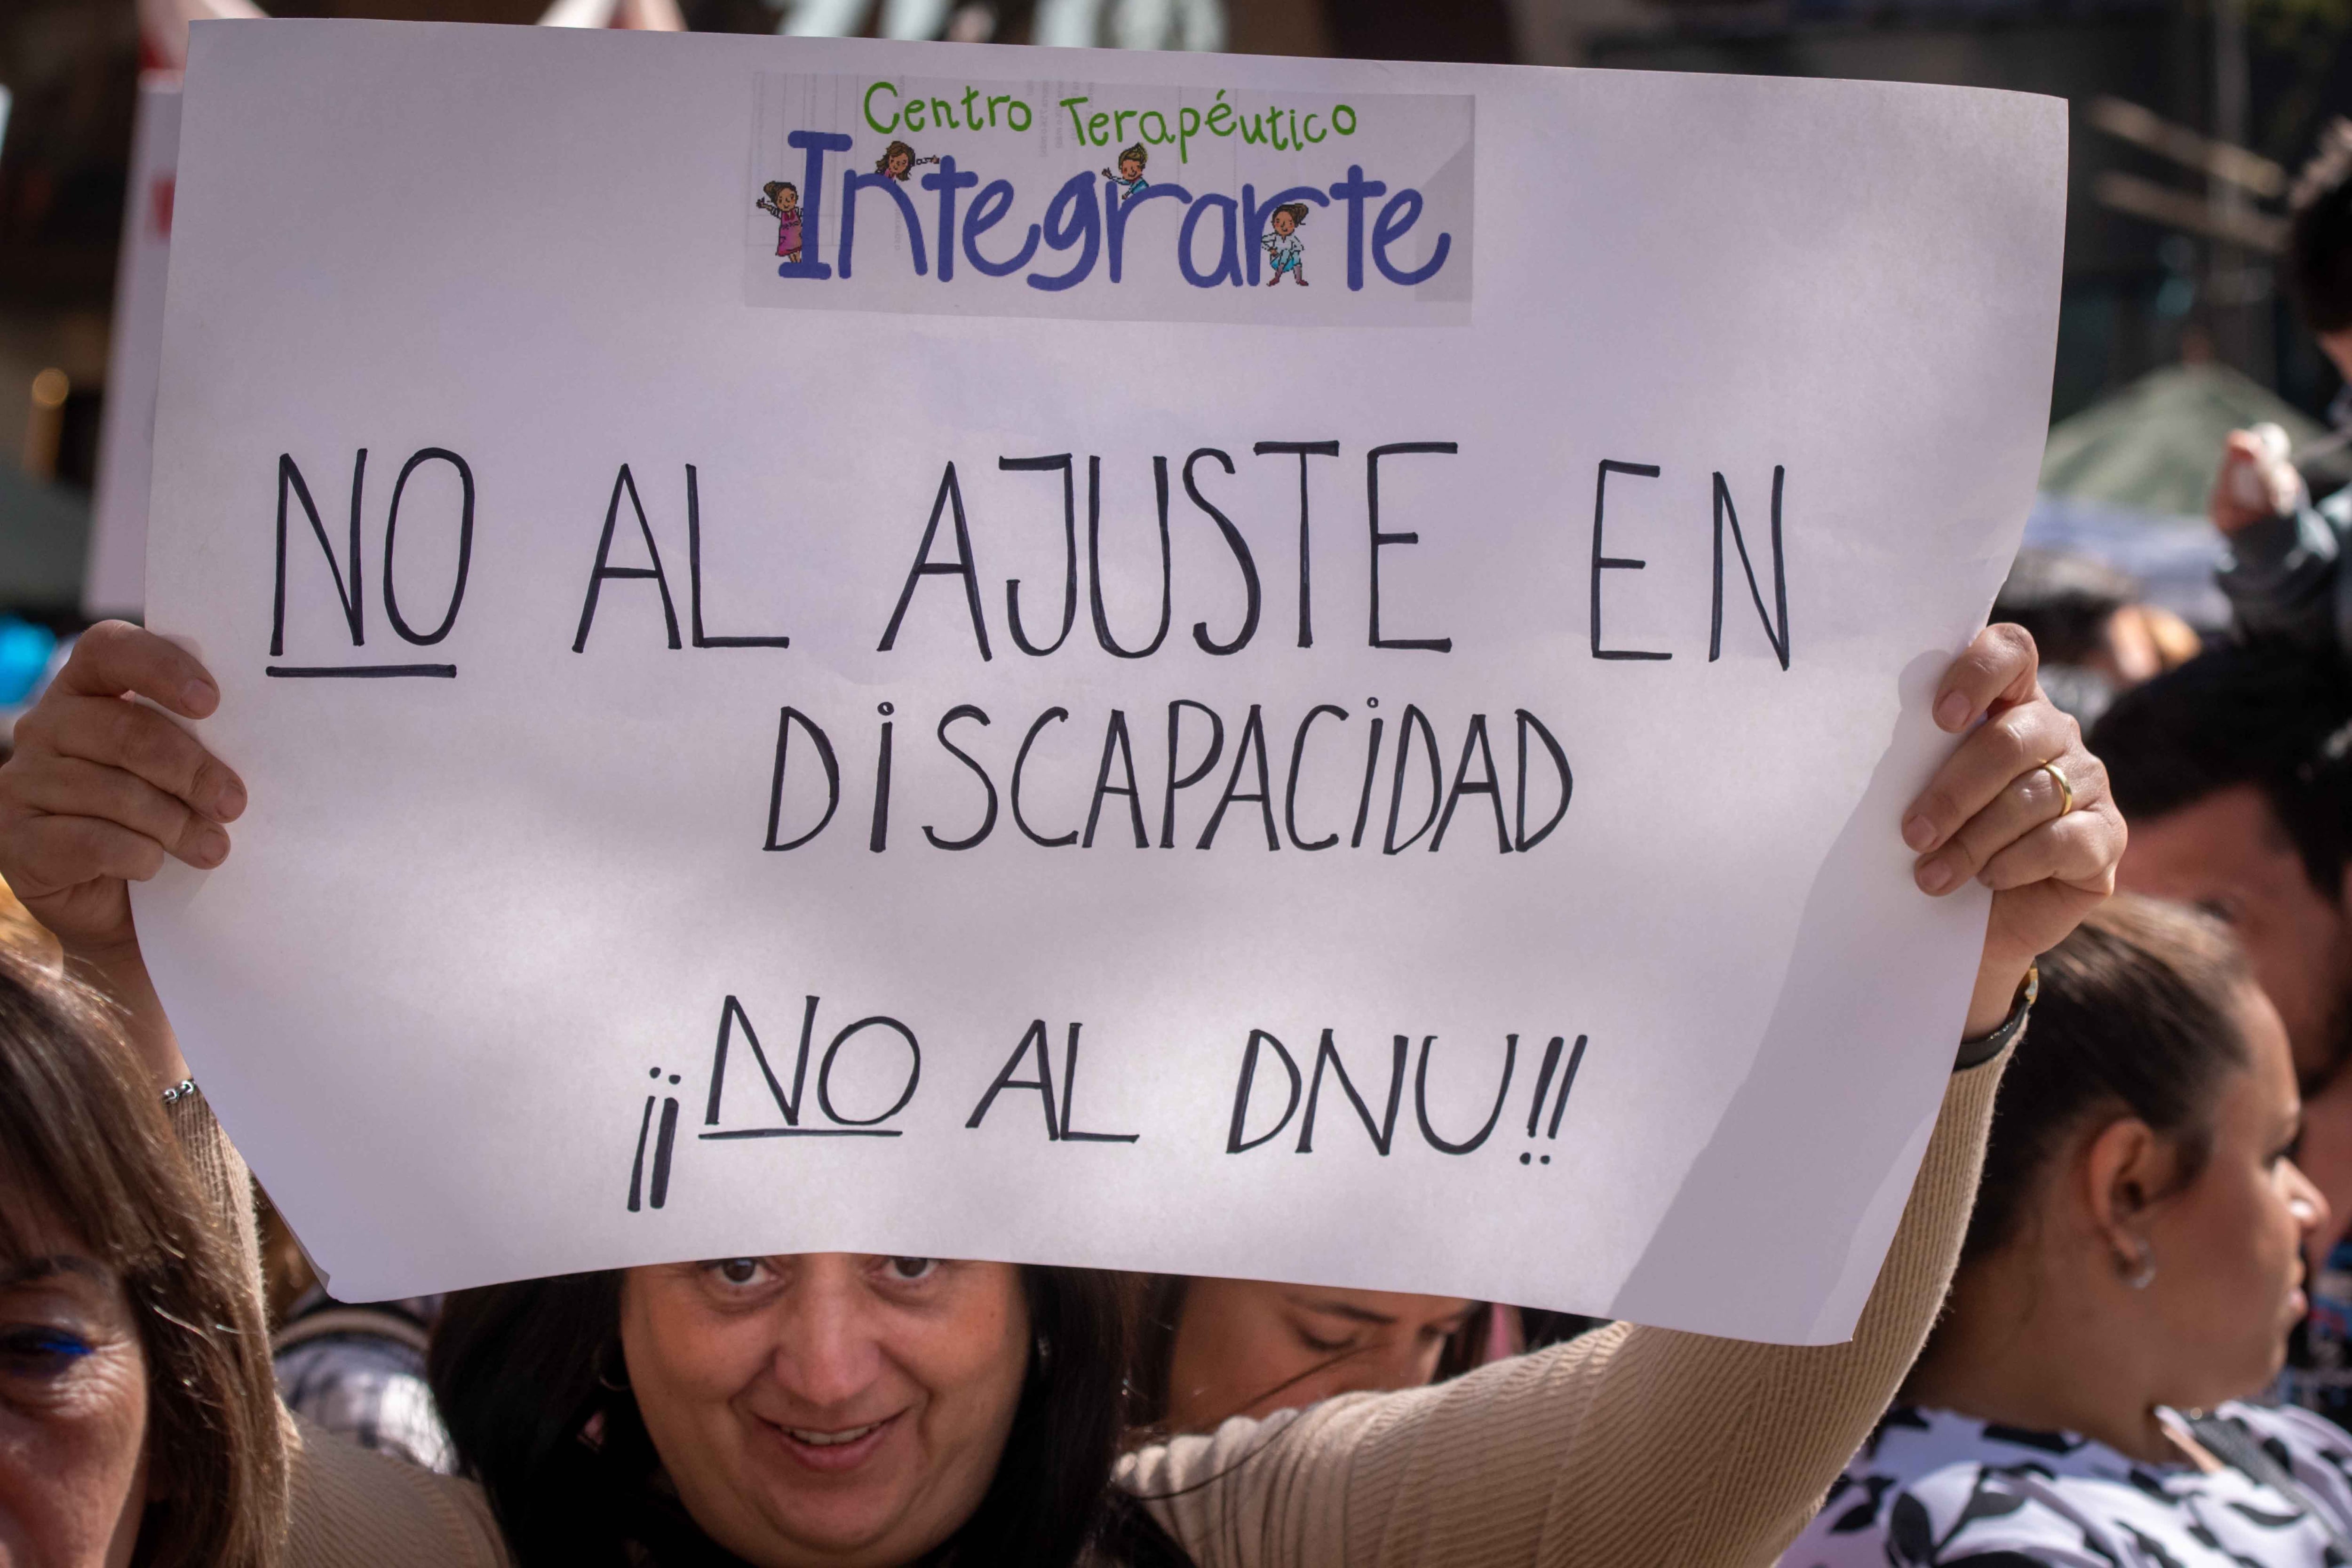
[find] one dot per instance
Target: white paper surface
(459, 990)
(115, 581)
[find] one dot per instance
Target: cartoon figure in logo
(898, 160)
(1129, 178)
(783, 198)
(1283, 247)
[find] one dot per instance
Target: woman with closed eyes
(1210, 1349)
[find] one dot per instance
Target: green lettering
(1014, 106)
(995, 99)
(969, 118)
(914, 108)
(1337, 109)
(879, 125)
(1313, 134)
(1099, 128)
(1119, 125)
(1143, 127)
(1219, 110)
(1254, 130)
(943, 115)
(1187, 125)
(1077, 126)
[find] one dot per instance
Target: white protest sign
(1010, 714)
(114, 582)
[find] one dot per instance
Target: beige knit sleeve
(1631, 1448)
(350, 1509)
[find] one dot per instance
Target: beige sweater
(1626, 1448)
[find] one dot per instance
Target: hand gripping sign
(1237, 666)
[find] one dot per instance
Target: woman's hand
(101, 788)
(1992, 812)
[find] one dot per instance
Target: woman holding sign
(839, 1409)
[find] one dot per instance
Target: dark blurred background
(2188, 118)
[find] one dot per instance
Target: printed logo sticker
(1109, 202)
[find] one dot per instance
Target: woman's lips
(832, 1450)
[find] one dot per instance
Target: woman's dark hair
(85, 1146)
(2319, 233)
(882, 164)
(2137, 1016)
(2064, 601)
(2260, 713)
(530, 1379)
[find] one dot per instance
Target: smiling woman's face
(73, 1402)
(833, 1408)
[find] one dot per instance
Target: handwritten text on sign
(1139, 774)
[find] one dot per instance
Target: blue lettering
(987, 209)
(851, 183)
(1390, 227)
(1072, 218)
(813, 145)
(1229, 260)
(1356, 190)
(1121, 211)
(946, 180)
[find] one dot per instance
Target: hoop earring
(605, 1379)
(2139, 1272)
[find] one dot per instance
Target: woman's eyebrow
(32, 1269)
(1344, 1309)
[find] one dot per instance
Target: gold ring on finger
(2065, 790)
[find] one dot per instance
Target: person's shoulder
(1932, 1486)
(2305, 1432)
(353, 1508)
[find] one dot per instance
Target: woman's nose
(1394, 1363)
(2306, 1202)
(827, 1352)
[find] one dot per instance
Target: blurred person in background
(2097, 639)
(2134, 1255)
(137, 1419)
(2234, 776)
(2284, 577)
(358, 1371)
(2229, 772)
(1208, 1349)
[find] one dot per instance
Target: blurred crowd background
(2188, 117)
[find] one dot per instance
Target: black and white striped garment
(1933, 1489)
